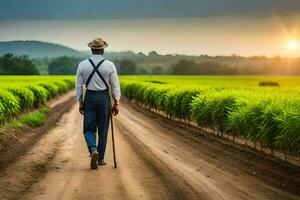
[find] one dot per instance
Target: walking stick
(112, 134)
(113, 140)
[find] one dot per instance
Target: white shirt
(108, 71)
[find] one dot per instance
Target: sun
(293, 44)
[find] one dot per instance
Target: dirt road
(156, 160)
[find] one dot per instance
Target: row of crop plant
(265, 116)
(18, 94)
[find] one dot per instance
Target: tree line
(279, 66)
(68, 66)
(23, 65)
(17, 65)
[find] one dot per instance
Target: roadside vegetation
(32, 119)
(19, 94)
(35, 119)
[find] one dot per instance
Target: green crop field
(265, 110)
(20, 93)
(235, 106)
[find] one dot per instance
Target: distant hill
(37, 49)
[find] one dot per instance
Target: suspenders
(96, 70)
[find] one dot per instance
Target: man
(98, 75)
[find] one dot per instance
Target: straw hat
(98, 43)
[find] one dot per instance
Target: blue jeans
(96, 117)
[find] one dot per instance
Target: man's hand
(115, 109)
(81, 109)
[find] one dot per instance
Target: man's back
(107, 70)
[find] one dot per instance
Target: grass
(14, 124)
(35, 119)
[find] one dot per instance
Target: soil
(157, 159)
(16, 142)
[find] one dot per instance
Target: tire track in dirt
(17, 177)
(136, 177)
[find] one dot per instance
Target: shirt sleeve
(79, 84)
(114, 84)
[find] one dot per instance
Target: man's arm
(79, 88)
(115, 89)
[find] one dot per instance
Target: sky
(193, 27)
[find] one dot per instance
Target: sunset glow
(293, 44)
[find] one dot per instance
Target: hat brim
(105, 45)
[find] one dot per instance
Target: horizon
(87, 50)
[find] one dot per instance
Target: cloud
(119, 9)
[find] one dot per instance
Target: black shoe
(94, 159)
(101, 162)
